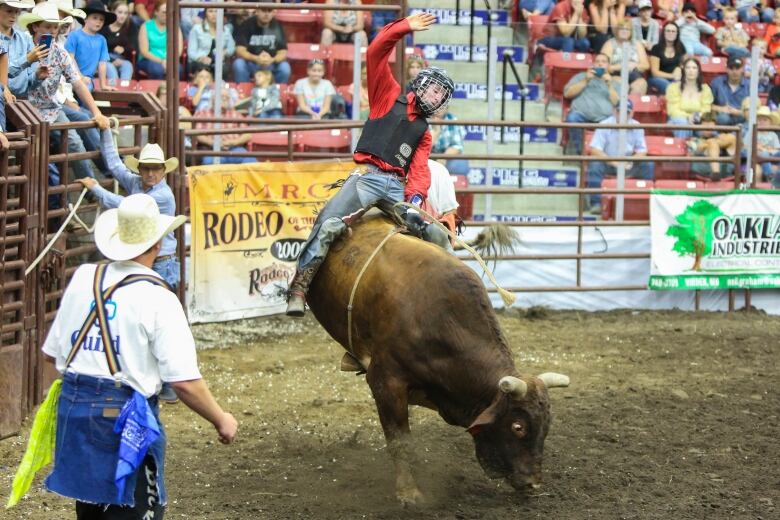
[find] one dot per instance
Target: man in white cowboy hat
(124, 306)
(44, 19)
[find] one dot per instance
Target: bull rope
(507, 297)
(357, 282)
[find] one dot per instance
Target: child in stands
(314, 93)
(89, 47)
(691, 29)
(266, 98)
(768, 144)
(202, 90)
(732, 39)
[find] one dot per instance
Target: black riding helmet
(429, 83)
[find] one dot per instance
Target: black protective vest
(392, 137)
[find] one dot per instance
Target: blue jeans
(244, 70)
(728, 119)
(231, 160)
(575, 134)
(359, 193)
(659, 84)
(82, 168)
(566, 43)
(683, 134)
(274, 113)
(597, 170)
(123, 72)
(766, 15)
(696, 49)
(737, 52)
(89, 136)
(169, 269)
(3, 128)
(87, 448)
(154, 70)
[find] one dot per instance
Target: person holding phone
(593, 95)
(44, 20)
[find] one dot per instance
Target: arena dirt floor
(670, 415)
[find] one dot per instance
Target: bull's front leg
(392, 403)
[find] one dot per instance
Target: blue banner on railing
(512, 134)
(447, 16)
(530, 218)
(532, 177)
(458, 52)
(479, 91)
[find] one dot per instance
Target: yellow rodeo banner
(249, 222)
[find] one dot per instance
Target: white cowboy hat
(66, 6)
(131, 229)
(765, 111)
(152, 154)
(43, 12)
(19, 4)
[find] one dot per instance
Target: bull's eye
(518, 429)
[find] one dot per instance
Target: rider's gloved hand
(414, 220)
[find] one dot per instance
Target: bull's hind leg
(392, 403)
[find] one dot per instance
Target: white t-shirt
(314, 95)
(148, 327)
(441, 194)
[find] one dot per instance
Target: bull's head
(509, 435)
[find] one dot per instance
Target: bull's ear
(488, 416)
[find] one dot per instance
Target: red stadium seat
(346, 92)
(558, 71)
(151, 85)
(337, 140)
(755, 30)
(678, 184)
(244, 89)
(658, 145)
(300, 26)
(636, 206)
(649, 110)
(465, 200)
(536, 24)
(712, 68)
(721, 185)
(273, 142)
(128, 85)
(299, 55)
(342, 56)
(288, 100)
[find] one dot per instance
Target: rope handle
(507, 297)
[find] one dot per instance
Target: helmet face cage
(430, 81)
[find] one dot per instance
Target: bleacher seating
(465, 200)
(273, 142)
(649, 110)
(558, 70)
(636, 206)
(664, 146)
(299, 55)
(335, 140)
(300, 26)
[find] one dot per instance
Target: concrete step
(477, 109)
(453, 34)
(480, 147)
(466, 72)
(558, 205)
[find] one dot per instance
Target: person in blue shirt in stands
(89, 47)
(729, 91)
(530, 8)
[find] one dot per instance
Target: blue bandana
(139, 430)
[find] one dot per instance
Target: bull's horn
(514, 386)
(553, 380)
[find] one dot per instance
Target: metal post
(491, 89)
(471, 34)
(489, 32)
(172, 76)
(356, 84)
(219, 55)
(503, 90)
(457, 12)
(755, 59)
(523, 91)
(622, 119)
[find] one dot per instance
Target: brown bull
(424, 330)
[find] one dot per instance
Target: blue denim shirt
(21, 74)
(606, 139)
(131, 183)
(723, 95)
(200, 40)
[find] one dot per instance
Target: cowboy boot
(299, 286)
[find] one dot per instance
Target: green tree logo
(693, 232)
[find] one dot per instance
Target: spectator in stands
(567, 27)
(314, 93)
(773, 100)
(604, 144)
(529, 8)
(152, 43)
(766, 69)
(121, 37)
(260, 44)
(228, 142)
(201, 45)
(669, 10)
(23, 58)
(645, 28)
(772, 36)
(190, 17)
(729, 91)
(201, 91)
(414, 64)
(715, 9)
(44, 19)
(666, 59)
(448, 139)
(343, 26)
(731, 39)
(89, 47)
(638, 63)
(266, 99)
(604, 16)
(768, 144)
(691, 29)
(77, 16)
(161, 94)
(753, 11)
(689, 99)
(142, 11)
(711, 144)
(593, 96)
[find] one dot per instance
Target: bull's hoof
(410, 497)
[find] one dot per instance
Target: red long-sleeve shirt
(383, 90)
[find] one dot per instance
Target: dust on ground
(669, 415)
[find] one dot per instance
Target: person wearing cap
(691, 29)
(119, 333)
(392, 151)
(646, 29)
(604, 144)
(23, 57)
(768, 144)
(44, 19)
(729, 91)
(89, 47)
